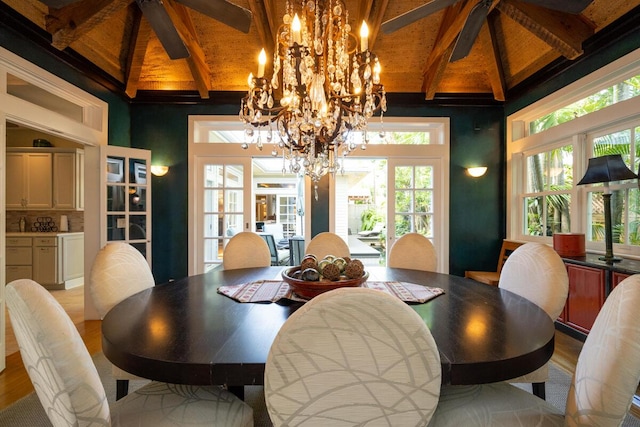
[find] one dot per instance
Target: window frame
(580, 132)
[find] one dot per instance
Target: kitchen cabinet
(68, 181)
(54, 260)
(45, 260)
(19, 258)
(45, 178)
(29, 175)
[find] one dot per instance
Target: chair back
(57, 361)
(296, 250)
(246, 250)
(327, 243)
(119, 271)
(608, 368)
(278, 256)
(508, 246)
(413, 251)
(536, 272)
(353, 356)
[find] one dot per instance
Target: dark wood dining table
(186, 332)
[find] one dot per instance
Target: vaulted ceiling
(517, 40)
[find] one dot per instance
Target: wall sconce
(159, 170)
(477, 171)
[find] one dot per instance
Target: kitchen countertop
(41, 234)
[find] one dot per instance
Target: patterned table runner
(274, 290)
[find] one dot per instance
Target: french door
(126, 197)
(221, 207)
(416, 203)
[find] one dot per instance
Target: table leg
(238, 390)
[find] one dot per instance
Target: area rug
(28, 411)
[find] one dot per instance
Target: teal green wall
(476, 220)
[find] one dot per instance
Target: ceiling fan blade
(569, 6)
(221, 10)
(413, 15)
(57, 4)
(162, 25)
(470, 30)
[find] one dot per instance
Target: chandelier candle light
(328, 83)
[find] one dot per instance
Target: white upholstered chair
(413, 251)
(69, 388)
(327, 243)
(246, 250)
(601, 391)
(353, 356)
(536, 271)
(119, 271)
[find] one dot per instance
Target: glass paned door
(126, 200)
(222, 207)
(414, 192)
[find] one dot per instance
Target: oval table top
(185, 332)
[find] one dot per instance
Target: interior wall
(476, 138)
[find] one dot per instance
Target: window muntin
(613, 94)
(547, 201)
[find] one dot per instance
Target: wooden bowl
(307, 289)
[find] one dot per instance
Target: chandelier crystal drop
(328, 85)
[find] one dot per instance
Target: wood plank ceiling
(516, 41)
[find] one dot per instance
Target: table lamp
(606, 169)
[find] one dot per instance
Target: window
(545, 167)
(547, 200)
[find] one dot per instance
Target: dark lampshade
(606, 169)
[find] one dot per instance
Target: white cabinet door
(45, 265)
(29, 181)
(64, 179)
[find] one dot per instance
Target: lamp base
(609, 260)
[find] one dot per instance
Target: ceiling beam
(71, 22)
(450, 32)
(140, 35)
(263, 17)
(489, 45)
(375, 15)
(196, 61)
(562, 31)
(450, 26)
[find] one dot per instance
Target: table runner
(274, 290)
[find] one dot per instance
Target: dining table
(187, 332)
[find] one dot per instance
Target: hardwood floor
(15, 384)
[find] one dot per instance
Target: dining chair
(68, 385)
(601, 390)
(296, 250)
(353, 356)
(246, 250)
(327, 243)
(278, 256)
(536, 272)
(493, 277)
(413, 251)
(119, 270)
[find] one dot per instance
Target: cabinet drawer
(45, 241)
(18, 241)
(15, 272)
(19, 256)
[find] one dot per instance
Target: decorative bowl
(309, 289)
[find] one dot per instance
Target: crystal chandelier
(328, 84)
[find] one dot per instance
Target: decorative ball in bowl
(307, 281)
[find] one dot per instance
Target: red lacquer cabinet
(587, 288)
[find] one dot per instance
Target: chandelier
(328, 84)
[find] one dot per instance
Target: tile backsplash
(75, 219)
